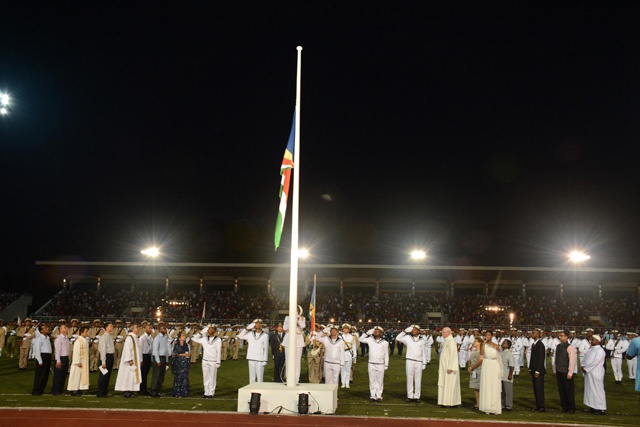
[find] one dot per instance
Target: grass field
(622, 400)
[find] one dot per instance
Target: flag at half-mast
(285, 172)
(312, 309)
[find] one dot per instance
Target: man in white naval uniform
(618, 346)
(378, 361)
(257, 350)
(211, 353)
(416, 360)
(527, 342)
(350, 354)
(300, 325)
(333, 353)
(428, 338)
(466, 347)
(553, 343)
(585, 345)
(462, 352)
(516, 351)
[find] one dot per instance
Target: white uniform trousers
(518, 361)
(463, 355)
(345, 373)
(428, 350)
(631, 365)
(616, 365)
(298, 361)
(376, 380)
(209, 377)
(331, 373)
(414, 379)
(581, 357)
(256, 371)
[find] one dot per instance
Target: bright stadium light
(303, 253)
(418, 255)
(578, 257)
(4, 103)
(151, 252)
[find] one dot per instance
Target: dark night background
(489, 136)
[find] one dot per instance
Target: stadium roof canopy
(424, 276)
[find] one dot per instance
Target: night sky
(502, 136)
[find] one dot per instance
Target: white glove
(327, 331)
(251, 325)
(370, 331)
(264, 363)
(423, 367)
(217, 365)
(408, 330)
(386, 367)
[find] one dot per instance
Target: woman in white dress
(491, 378)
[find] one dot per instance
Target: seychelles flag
(312, 309)
(285, 172)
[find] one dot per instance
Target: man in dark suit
(278, 351)
(537, 369)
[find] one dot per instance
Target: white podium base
(323, 398)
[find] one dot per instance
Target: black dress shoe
(541, 410)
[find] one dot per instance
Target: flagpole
(293, 282)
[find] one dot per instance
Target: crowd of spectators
(363, 305)
(7, 298)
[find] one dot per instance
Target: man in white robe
(129, 374)
(448, 374)
(79, 371)
(593, 370)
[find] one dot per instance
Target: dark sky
(498, 136)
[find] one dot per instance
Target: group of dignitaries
(492, 358)
(568, 355)
(75, 350)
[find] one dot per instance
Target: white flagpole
(293, 281)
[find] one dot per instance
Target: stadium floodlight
(303, 253)
(418, 254)
(151, 252)
(578, 257)
(4, 103)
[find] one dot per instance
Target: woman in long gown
(180, 367)
(491, 379)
